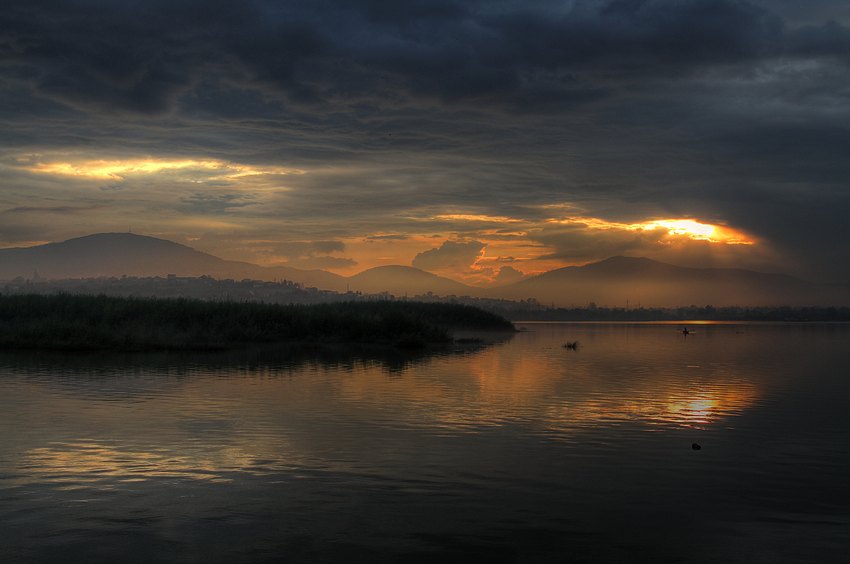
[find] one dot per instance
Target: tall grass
(80, 322)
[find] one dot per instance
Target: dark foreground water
(520, 452)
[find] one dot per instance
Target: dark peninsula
(79, 322)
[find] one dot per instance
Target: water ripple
(526, 447)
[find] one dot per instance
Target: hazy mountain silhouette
(651, 283)
(406, 280)
(118, 254)
(610, 282)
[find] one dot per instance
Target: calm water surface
(523, 451)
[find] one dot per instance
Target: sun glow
(696, 230)
(688, 228)
(119, 169)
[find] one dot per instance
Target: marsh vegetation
(76, 322)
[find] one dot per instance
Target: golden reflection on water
(91, 462)
(709, 405)
(210, 425)
(562, 394)
(82, 464)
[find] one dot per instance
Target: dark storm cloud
(140, 56)
(810, 11)
(627, 109)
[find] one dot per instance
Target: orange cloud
(119, 169)
(688, 228)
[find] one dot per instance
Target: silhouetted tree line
(80, 322)
(686, 313)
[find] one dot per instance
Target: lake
(521, 451)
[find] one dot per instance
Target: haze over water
(523, 451)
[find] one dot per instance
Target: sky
(485, 141)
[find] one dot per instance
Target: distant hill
(611, 282)
(118, 254)
(651, 283)
(406, 280)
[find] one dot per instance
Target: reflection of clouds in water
(214, 422)
(82, 463)
(500, 387)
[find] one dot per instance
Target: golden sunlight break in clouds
(478, 246)
(117, 169)
(689, 228)
(476, 217)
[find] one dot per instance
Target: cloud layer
(390, 128)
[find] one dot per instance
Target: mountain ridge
(617, 280)
(639, 280)
(130, 254)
